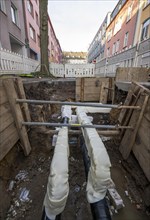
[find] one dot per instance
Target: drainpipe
(97, 170)
(58, 186)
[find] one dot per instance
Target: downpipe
(100, 209)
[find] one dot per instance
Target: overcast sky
(76, 22)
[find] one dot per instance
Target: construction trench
(75, 169)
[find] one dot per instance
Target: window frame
(30, 8)
(14, 14)
(129, 13)
(144, 32)
(3, 6)
(32, 31)
(126, 37)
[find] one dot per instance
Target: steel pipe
(66, 103)
(75, 125)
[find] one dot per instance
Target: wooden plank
(4, 108)
(129, 136)
(4, 135)
(144, 133)
(132, 74)
(21, 94)
(17, 114)
(82, 90)
(5, 120)
(8, 139)
(142, 154)
(78, 81)
(104, 92)
(90, 98)
(3, 96)
(131, 99)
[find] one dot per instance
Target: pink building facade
(121, 30)
(32, 18)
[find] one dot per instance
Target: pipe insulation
(99, 178)
(58, 185)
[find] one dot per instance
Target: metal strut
(75, 125)
(75, 104)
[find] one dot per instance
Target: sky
(76, 22)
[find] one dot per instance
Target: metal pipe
(100, 209)
(66, 103)
(75, 125)
(29, 101)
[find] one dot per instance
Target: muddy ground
(22, 195)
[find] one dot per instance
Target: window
(14, 14)
(126, 39)
(30, 7)
(129, 12)
(109, 35)
(117, 45)
(145, 28)
(114, 48)
(32, 33)
(2, 6)
(37, 18)
(118, 25)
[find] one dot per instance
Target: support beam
(17, 114)
(66, 103)
(76, 125)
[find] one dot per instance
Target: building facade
(20, 25)
(127, 42)
(97, 47)
(31, 11)
(142, 36)
(12, 26)
(121, 30)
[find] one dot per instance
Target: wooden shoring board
(130, 135)
(92, 89)
(5, 120)
(130, 100)
(8, 138)
(21, 95)
(17, 114)
(104, 91)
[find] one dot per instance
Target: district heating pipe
(100, 209)
(97, 169)
(58, 186)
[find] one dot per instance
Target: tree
(43, 6)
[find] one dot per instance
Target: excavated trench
(34, 170)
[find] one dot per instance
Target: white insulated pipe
(99, 178)
(58, 185)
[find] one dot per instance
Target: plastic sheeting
(58, 186)
(99, 178)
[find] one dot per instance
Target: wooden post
(82, 89)
(17, 114)
(129, 137)
(22, 95)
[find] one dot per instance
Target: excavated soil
(34, 170)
